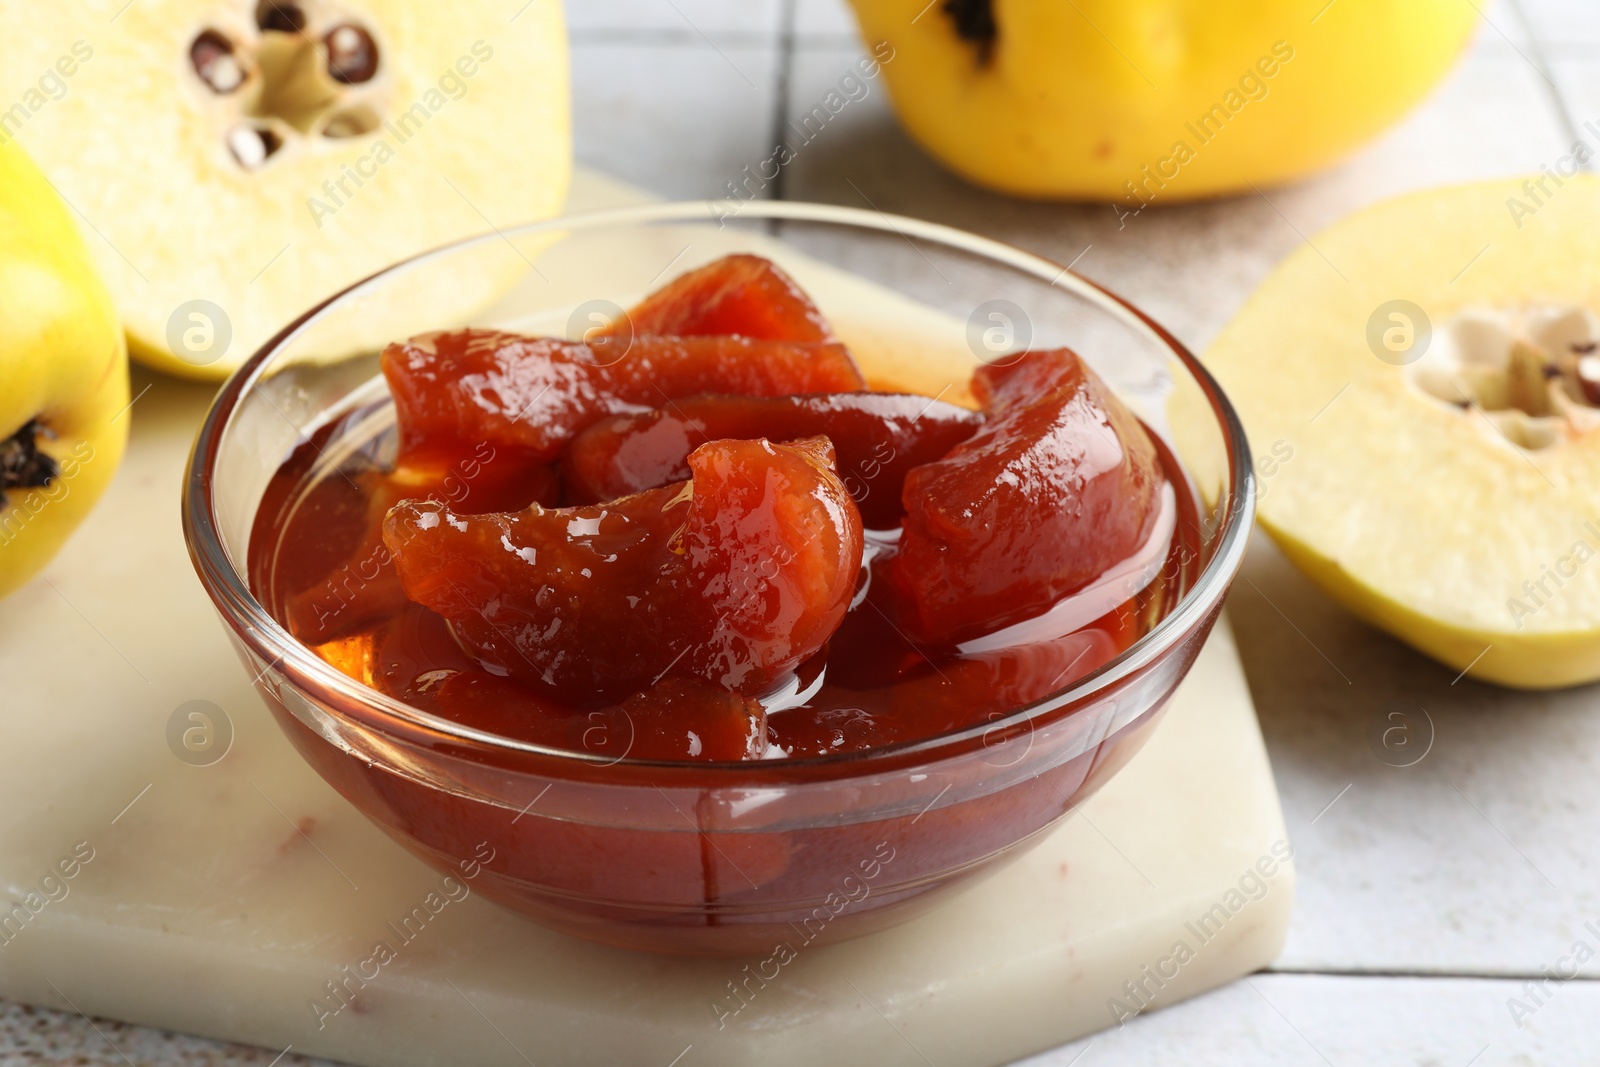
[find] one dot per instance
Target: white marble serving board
(221, 899)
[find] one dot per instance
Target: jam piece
(677, 718)
(1060, 484)
(352, 584)
(681, 718)
(879, 437)
(704, 569)
(960, 692)
(529, 395)
(738, 295)
(732, 578)
(487, 479)
(349, 586)
(416, 636)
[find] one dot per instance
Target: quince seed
(352, 54)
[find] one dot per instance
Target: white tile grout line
(672, 38)
(782, 86)
(1483, 16)
(712, 45)
(633, 37)
(1541, 62)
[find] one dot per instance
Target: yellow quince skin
(1149, 101)
(63, 374)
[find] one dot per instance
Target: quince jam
(697, 536)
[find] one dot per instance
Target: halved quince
(1423, 385)
(233, 162)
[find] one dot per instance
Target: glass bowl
(719, 858)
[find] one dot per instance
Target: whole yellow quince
(63, 374)
(1144, 101)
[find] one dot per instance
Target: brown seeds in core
(22, 465)
(299, 76)
(352, 54)
(1536, 396)
(1588, 374)
(214, 62)
(351, 122)
(253, 145)
(280, 16)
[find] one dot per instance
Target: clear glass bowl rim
(275, 645)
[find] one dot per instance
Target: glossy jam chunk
(654, 544)
(678, 718)
(732, 578)
(350, 581)
(882, 687)
(869, 686)
(529, 395)
(737, 295)
(1059, 485)
(486, 479)
(930, 700)
(879, 437)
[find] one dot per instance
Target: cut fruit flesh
(455, 390)
(738, 295)
(677, 718)
(733, 578)
(748, 592)
(1450, 494)
(274, 168)
(1059, 485)
(880, 437)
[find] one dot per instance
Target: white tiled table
(1427, 895)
